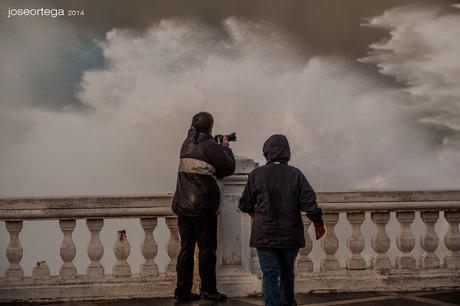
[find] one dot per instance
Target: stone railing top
(160, 205)
(85, 207)
(389, 195)
(394, 200)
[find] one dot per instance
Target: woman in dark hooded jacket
(274, 196)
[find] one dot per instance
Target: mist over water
(347, 129)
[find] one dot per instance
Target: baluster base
(14, 272)
(171, 270)
(304, 265)
(95, 271)
(356, 263)
(405, 263)
(329, 264)
(149, 269)
(122, 270)
(429, 262)
(452, 261)
(68, 271)
(381, 263)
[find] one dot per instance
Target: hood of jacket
(276, 149)
(196, 136)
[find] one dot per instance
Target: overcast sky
(330, 27)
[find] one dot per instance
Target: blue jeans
(277, 267)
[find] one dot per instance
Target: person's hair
(203, 122)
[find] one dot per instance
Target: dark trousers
(201, 231)
(277, 267)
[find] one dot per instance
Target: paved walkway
(440, 298)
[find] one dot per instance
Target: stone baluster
(380, 241)
(95, 249)
(68, 250)
(14, 250)
(405, 241)
(121, 249)
(330, 243)
(429, 241)
(356, 241)
(149, 247)
(304, 263)
(173, 245)
(452, 240)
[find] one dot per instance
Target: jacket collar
(196, 136)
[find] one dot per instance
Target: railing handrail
(390, 200)
(360, 196)
(390, 206)
(74, 207)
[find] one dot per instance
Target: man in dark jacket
(196, 202)
(274, 196)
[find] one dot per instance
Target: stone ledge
(356, 281)
(82, 289)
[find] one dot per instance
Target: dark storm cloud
(319, 27)
(55, 63)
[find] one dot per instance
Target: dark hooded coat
(202, 161)
(277, 193)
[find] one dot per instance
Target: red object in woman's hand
(252, 214)
(319, 231)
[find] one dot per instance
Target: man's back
(197, 193)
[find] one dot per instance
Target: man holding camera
(196, 202)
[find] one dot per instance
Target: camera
(220, 138)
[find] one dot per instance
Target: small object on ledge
(41, 271)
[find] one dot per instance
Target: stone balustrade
(122, 282)
(365, 216)
(410, 269)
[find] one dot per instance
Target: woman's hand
(319, 231)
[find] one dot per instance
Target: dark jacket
(277, 193)
(202, 161)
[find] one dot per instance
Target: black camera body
(220, 138)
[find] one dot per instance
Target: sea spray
(347, 128)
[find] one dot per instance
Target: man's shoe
(213, 296)
(186, 297)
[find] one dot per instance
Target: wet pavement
(426, 298)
